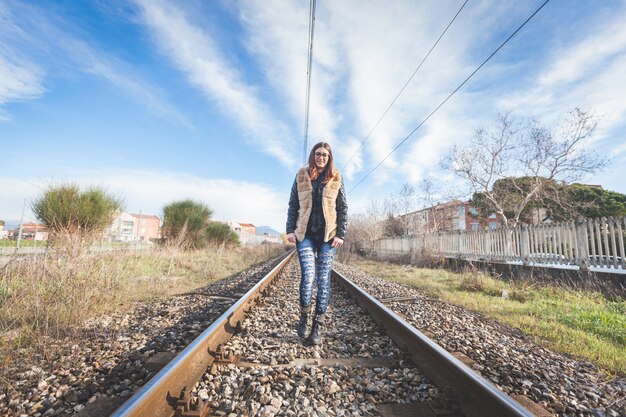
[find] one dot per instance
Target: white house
(122, 228)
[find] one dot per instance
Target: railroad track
(251, 362)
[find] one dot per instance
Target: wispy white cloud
(577, 73)
(584, 70)
(421, 156)
(146, 191)
(16, 192)
(363, 54)
(149, 192)
(194, 51)
(583, 57)
(31, 40)
(19, 80)
(122, 77)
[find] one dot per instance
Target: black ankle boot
(315, 338)
(303, 324)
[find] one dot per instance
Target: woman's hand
(291, 237)
(337, 241)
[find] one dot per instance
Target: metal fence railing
(596, 242)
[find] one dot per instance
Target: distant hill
(262, 230)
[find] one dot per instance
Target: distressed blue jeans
(311, 268)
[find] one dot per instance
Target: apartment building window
(127, 227)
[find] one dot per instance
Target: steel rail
(158, 397)
(476, 396)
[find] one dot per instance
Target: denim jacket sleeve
(342, 212)
(294, 207)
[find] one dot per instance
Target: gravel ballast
(116, 353)
(503, 355)
(356, 368)
(278, 374)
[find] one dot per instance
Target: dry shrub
(521, 291)
(477, 281)
(427, 259)
(473, 281)
(423, 258)
(347, 254)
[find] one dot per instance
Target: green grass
(607, 324)
(8, 243)
(584, 324)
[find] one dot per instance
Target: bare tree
(418, 210)
(529, 157)
(441, 202)
(364, 229)
(400, 204)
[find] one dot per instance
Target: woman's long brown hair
(329, 170)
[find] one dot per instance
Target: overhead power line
(405, 85)
(451, 94)
(308, 77)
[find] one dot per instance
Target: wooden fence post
(524, 246)
(487, 243)
(582, 252)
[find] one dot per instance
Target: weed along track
(251, 362)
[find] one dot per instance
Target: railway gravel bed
(354, 372)
(116, 353)
(355, 369)
(503, 355)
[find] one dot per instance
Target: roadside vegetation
(24, 243)
(188, 225)
(584, 324)
(51, 296)
(30, 243)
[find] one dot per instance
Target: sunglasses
(321, 155)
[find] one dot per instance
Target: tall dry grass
(51, 295)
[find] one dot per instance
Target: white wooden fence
(251, 239)
(598, 243)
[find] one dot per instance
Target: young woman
(316, 222)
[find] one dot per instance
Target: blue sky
(161, 100)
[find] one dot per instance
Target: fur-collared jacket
(333, 205)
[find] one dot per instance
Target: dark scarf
(317, 225)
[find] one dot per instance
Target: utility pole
(138, 231)
(308, 78)
(19, 234)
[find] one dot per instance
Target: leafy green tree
(590, 201)
(561, 201)
(66, 210)
(220, 234)
(511, 193)
(186, 221)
